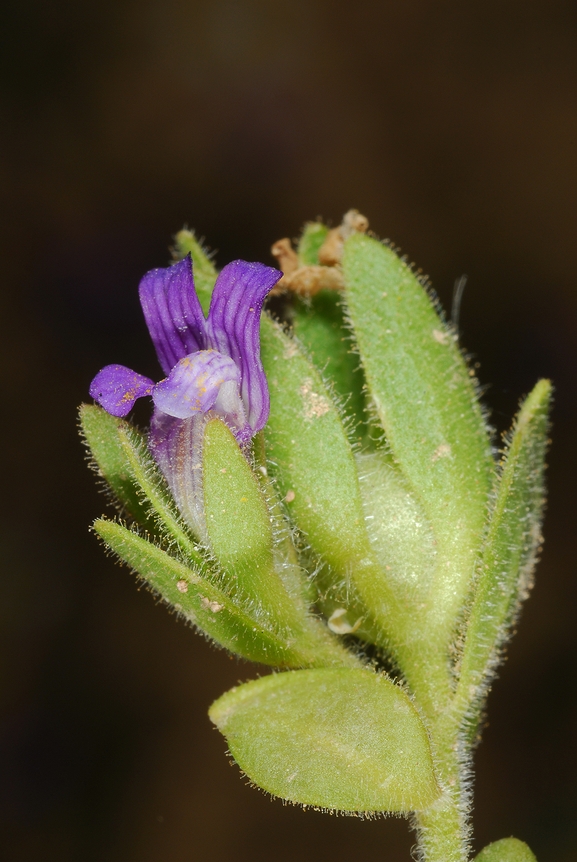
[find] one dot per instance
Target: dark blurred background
(453, 127)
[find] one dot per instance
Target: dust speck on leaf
(442, 451)
(441, 337)
(315, 405)
(207, 605)
(290, 350)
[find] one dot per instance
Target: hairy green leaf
(313, 461)
(102, 434)
(511, 545)
(506, 850)
(307, 442)
(200, 601)
(426, 401)
(399, 531)
(240, 532)
(123, 458)
(239, 526)
(349, 740)
(320, 325)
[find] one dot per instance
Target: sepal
(310, 453)
(347, 740)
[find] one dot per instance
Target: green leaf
(313, 236)
(349, 740)
(203, 268)
(102, 434)
(427, 404)
(506, 850)
(314, 464)
(240, 532)
(320, 325)
(511, 545)
(123, 459)
(399, 531)
(198, 600)
(239, 526)
(307, 442)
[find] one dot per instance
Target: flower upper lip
(211, 363)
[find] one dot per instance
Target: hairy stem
(443, 829)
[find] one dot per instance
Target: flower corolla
(212, 367)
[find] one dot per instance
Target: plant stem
(442, 829)
(441, 833)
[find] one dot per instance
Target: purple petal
(194, 384)
(116, 388)
(176, 445)
(233, 328)
(173, 313)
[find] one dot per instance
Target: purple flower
(212, 366)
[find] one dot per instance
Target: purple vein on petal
(173, 312)
(176, 445)
(233, 327)
(117, 387)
